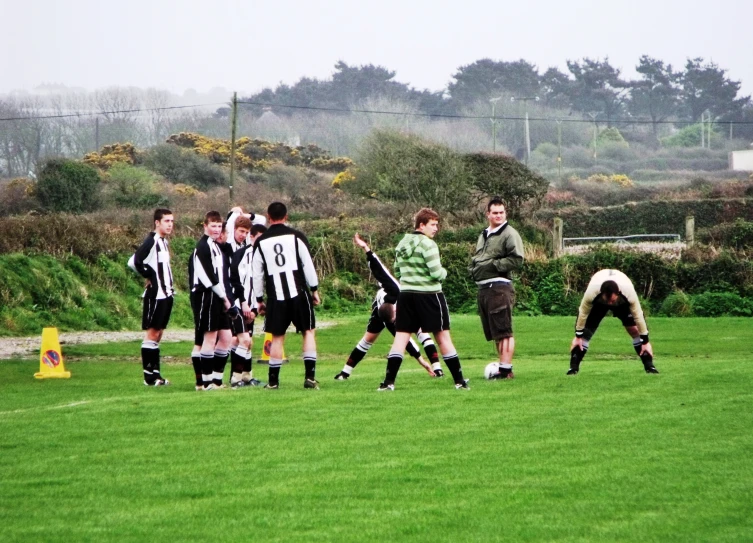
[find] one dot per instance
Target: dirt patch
(28, 347)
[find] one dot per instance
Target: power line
(104, 113)
(373, 112)
(500, 117)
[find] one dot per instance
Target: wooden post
(96, 134)
(557, 233)
(233, 127)
(690, 230)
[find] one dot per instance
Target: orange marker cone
(51, 357)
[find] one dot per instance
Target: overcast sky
(246, 45)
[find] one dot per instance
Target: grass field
(612, 454)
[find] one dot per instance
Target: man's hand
(262, 308)
(315, 297)
(246, 311)
(647, 349)
(227, 303)
(425, 365)
(361, 243)
(148, 284)
(577, 342)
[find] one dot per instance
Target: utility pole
(494, 123)
(703, 131)
(233, 126)
(96, 134)
(596, 130)
(559, 150)
(527, 130)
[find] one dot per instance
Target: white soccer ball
(491, 370)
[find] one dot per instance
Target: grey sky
(247, 45)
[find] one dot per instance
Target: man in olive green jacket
(499, 252)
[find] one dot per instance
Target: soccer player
(421, 304)
(610, 290)
(234, 214)
(283, 269)
(152, 261)
(211, 303)
(499, 252)
(383, 316)
(243, 327)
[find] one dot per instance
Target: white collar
(490, 232)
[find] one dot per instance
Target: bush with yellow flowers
(614, 179)
(117, 153)
(343, 178)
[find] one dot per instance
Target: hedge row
(651, 217)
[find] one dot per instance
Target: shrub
(404, 168)
(677, 304)
(117, 153)
(17, 196)
(719, 304)
(182, 166)
(612, 136)
(501, 175)
(68, 186)
(134, 187)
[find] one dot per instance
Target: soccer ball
(491, 370)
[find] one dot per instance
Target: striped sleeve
(431, 258)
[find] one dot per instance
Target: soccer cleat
(342, 376)
(506, 374)
(572, 371)
(438, 373)
(238, 384)
(253, 383)
(159, 382)
(385, 386)
(311, 383)
(199, 388)
(462, 385)
(210, 386)
(651, 369)
(270, 386)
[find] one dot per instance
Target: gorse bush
(68, 186)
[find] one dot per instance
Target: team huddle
(241, 268)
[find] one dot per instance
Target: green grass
(612, 454)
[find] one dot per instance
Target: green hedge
(652, 217)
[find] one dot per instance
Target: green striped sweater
(417, 264)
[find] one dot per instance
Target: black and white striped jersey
(208, 267)
(152, 261)
(282, 264)
(241, 277)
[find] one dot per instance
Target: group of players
(241, 269)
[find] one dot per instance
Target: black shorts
(418, 311)
(209, 312)
(299, 311)
(156, 313)
(599, 311)
(241, 326)
(495, 301)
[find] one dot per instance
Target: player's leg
(431, 352)
(207, 358)
(197, 342)
(238, 357)
(598, 311)
(224, 339)
(357, 354)
(647, 358)
(451, 358)
(155, 319)
(394, 360)
(309, 359)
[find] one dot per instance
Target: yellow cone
(267, 348)
(51, 357)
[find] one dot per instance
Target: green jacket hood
(408, 245)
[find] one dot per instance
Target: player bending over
(610, 290)
(383, 316)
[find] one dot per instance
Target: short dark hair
(277, 211)
(161, 212)
(425, 215)
(212, 216)
(258, 229)
(609, 287)
(495, 201)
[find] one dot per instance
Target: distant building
(741, 161)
